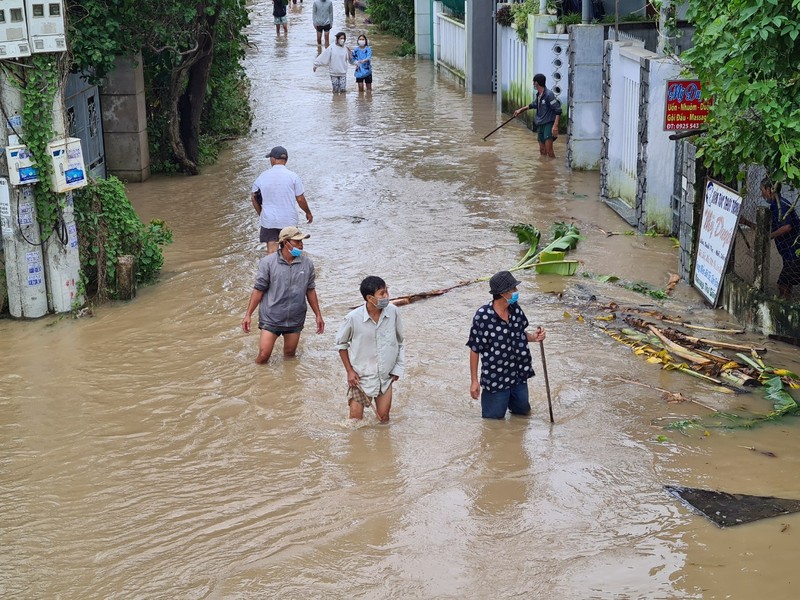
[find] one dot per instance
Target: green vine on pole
(39, 87)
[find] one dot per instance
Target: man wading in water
(284, 283)
(548, 115)
(499, 338)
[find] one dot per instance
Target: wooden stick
(499, 127)
(700, 327)
(546, 383)
(652, 387)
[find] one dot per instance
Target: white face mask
(340, 41)
(361, 43)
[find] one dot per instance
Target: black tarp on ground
(727, 510)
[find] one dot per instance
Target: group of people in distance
(370, 341)
(339, 56)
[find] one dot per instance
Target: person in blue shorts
(279, 16)
(498, 338)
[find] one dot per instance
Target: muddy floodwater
(145, 455)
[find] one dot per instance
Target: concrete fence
(449, 42)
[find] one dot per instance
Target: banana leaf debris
(728, 366)
(728, 510)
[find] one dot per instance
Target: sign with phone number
(686, 107)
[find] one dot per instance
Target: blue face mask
(295, 252)
(514, 298)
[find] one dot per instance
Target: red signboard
(686, 106)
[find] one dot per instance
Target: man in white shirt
(274, 195)
(371, 346)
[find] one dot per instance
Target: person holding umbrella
(498, 338)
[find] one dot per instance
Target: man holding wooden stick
(499, 339)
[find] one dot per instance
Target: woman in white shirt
(337, 57)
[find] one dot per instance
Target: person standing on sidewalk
(279, 16)
(498, 338)
(275, 194)
(349, 8)
(322, 18)
(337, 57)
(547, 117)
(785, 230)
(284, 284)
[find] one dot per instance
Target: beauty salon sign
(721, 208)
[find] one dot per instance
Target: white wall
(623, 119)
(660, 167)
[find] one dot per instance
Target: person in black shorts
(322, 18)
(361, 57)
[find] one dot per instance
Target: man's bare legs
(382, 404)
(267, 343)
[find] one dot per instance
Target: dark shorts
(279, 331)
(544, 132)
(268, 235)
(367, 79)
(322, 27)
(790, 274)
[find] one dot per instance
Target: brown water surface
(144, 455)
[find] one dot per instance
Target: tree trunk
(175, 141)
(187, 96)
(193, 98)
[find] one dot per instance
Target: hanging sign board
(5, 210)
(721, 207)
(686, 106)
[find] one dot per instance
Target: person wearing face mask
(285, 283)
(498, 338)
(372, 349)
(337, 58)
(362, 58)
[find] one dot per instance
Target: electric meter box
(21, 170)
(45, 25)
(69, 171)
(13, 29)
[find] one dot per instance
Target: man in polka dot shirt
(499, 338)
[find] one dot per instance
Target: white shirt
(279, 190)
(335, 56)
(376, 350)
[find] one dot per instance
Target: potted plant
(572, 19)
(560, 27)
(552, 7)
(551, 26)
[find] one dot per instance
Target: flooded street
(145, 455)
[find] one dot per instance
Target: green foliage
(108, 227)
(642, 287)
(167, 33)
(746, 53)
(98, 31)
(38, 82)
(394, 16)
(406, 49)
(520, 12)
(565, 238)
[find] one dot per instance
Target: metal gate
(85, 121)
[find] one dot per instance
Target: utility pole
(25, 277)
(37, 271)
